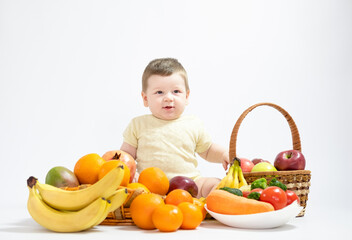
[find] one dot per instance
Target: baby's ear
(187, 97)
(145, 99)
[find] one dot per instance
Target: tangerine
(136, 185)
(167, 218)
(142, 208)
(87, 168)
(111, 164)
(177, 196)
(155, 180)
(192, 215)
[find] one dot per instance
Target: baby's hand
(225, 160)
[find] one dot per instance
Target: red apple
(290, 160)
(124, 157)
(185, 183)
(246, 165)
(258, 160)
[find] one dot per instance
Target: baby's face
(166, 96)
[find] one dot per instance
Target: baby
(166, 138)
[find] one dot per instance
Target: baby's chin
(167, 118)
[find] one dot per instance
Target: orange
(200, 204)
(167, 218)
(142, 208)
(111, 164)
(155, 180)
(192, 215)
(87, 168)
(177, 196)
(136, 185)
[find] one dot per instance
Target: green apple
(263, 167)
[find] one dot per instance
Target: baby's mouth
(168, 107)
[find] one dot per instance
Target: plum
(185, 183)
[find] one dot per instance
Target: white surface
(70, 76)
(313, 224)
(271, 219)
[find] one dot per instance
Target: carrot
(223, 202)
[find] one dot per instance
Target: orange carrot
(223, 202)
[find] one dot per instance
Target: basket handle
(294, 131)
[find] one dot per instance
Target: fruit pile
(167, 205)
(75, 201)
(71, 201)
(234, 196)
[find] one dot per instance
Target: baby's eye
(177, 91)
(159, 92)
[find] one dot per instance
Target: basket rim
(291, 172)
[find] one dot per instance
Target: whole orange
(177, 196)
(109, 165)
(87, 168)
(142, 208)
(155, 180)
(200, 204)
(167, 218)
(192, 215)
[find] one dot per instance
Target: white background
(70, 81)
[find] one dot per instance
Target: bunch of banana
(72, 211)
(234, 177)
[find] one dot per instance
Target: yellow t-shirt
(169, 145)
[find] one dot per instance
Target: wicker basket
(297, 181)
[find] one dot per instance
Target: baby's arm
(133, 152)
(129, 149)
(216, 154)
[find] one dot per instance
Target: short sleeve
(129, 135)
(204, 140)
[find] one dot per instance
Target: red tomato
(260, 190)
(245, 193)
(291, 197)
(275, 196)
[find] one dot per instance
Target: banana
(103, 214)
(234, 178)
(64, 221)
(236, 182)
(114, 202)
(241, 178)
(222, 182)
(75, 200)
(230, 178)
(118, 198)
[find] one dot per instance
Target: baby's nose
(168, 97)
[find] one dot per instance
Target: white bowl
(259, 220)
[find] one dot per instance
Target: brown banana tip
(108, 201)
(126, 191)
(31, 181)
(238, 160)
(120, 166)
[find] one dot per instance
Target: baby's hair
(163, 67)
